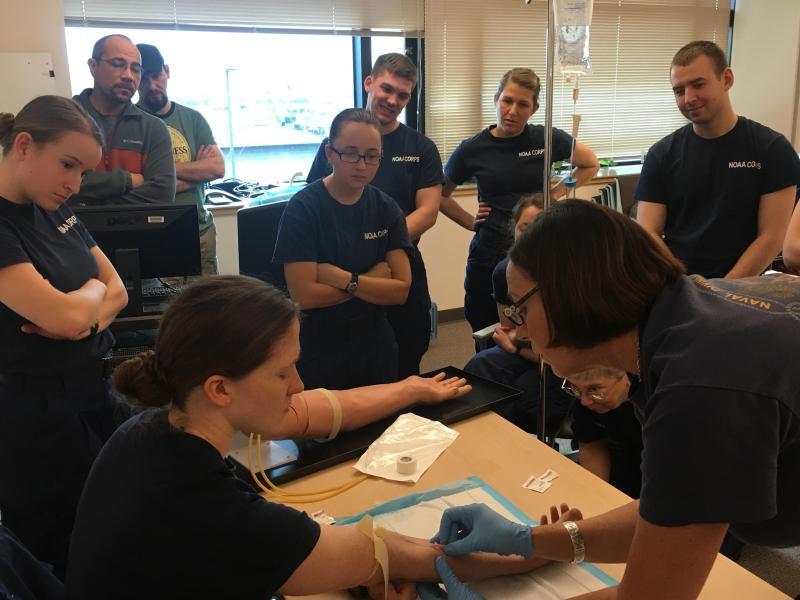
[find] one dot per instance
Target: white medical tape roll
(406, 465)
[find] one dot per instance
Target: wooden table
(505, 456)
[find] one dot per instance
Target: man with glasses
(606, 428)
(137, 165)
(411, 173)
(198, 159)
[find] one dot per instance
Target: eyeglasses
(120, 65)
(511, 312)
(371, 157)
(597, 394)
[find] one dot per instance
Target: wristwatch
(352, 287)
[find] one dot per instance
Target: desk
(504, 456)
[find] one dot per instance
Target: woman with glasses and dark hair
(344, 246)
(507, 161)
(719, 397)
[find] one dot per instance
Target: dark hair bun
(140, 379)
(6, 125)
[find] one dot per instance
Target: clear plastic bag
(573, 19)
(410, 435)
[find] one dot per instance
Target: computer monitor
(145, 241)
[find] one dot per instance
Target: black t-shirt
(720, 406)
(315, 227)
(163, 516)
(410, 162)
(505, 168)
(622, 432)
(712, 188)
(500, 283)
(58, 246)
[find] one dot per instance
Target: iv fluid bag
(573, 19)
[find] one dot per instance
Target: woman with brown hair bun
(162, 510)
(58, 295)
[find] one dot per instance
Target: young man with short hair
(720, 189)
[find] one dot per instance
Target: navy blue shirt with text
(58, 246)
(315, 227)
(719, 404)
(505, 168)
(712, 190)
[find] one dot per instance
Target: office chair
(258, 233)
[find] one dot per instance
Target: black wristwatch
(352, 287)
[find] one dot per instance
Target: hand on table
(477, 528)
(567, 514)
(439, 388)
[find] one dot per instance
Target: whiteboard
(24, 75)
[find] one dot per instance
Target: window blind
(405, 16)
(626, 102)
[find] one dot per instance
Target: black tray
(313, 455)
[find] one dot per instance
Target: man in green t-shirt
(198, 159)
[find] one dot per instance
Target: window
(273, 112)
(268, 76)
(626, 102)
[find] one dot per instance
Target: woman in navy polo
(58, 295)
(507, 161)
(344, 246)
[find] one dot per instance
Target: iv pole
(548, 153)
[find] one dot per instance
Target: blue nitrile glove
(477, 528)
(456, 590)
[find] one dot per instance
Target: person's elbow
(119, 298)
(218, 169)
(791, 255)
(72, 323)
(401, 293)
(429, 219)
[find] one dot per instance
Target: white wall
(36, 26)
(766, 63)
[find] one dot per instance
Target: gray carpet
(780, 568)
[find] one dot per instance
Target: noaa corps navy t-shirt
(315, 227)
(505, 168)
(58, 246)
(720, 407)
(410, 162)
(712, 189)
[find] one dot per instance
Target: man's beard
(155, 102)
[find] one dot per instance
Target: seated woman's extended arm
(311, 413)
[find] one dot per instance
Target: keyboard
(160, 292)
(119, 355)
